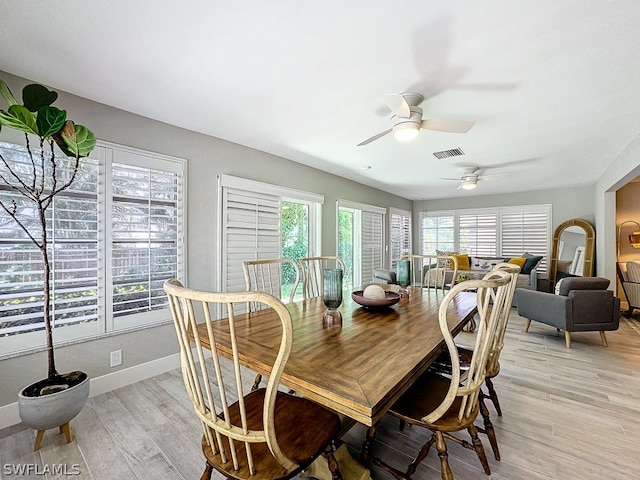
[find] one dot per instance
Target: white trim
(225, 180)
(361, 206)
(10, 416)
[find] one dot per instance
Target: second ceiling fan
(407, 119)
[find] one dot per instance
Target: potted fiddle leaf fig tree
(28, 190)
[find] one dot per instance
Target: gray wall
(207, 157)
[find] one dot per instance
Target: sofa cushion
(463, 262)
(531, 263)
(485, 264)
(520, 261)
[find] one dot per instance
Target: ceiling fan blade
(450, 178)
(444, 125)
(375, 137)
(398, 105)
(493, 176)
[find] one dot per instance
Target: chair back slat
(215, 387)
(266, 276)
(312, 269)
(491, 297)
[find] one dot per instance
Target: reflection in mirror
(573, 251)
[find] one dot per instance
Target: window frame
(107, 153)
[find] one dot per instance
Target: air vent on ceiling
(456, 152)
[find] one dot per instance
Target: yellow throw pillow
(463, 262)
(520, 261)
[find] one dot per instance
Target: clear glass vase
(332, 297)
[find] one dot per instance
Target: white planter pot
(54, 409)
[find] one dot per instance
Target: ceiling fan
(469, 177)
(407, 119)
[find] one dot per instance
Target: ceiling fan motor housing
(412, 123)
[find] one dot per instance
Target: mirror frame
(590, 241)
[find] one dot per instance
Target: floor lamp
(634, 238)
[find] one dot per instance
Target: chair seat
(423, 397)
(442, 363)
(303, 429)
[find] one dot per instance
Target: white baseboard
(9, 415)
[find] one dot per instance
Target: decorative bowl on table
(390, 298)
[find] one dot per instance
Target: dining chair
(442, 364)
(266, 276)
(312, 269)
(260, 434)
(419, 265)
(446, 405)
(443, 273)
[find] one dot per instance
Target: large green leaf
(50, 120)
(6, 94)
(19, 118)
(75, 140)
(36, 96)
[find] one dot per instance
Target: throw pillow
(444, 263)
(463, 262)
(486, 264)
(520, 261)
(531, 263)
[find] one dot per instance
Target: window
(360, 241)
(503, 231)
(262, 221)
(400, 234)
(436, 232)
(110, 249)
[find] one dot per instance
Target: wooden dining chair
(442, 364)
(266, 276)
(446, 405)
(257, 435)
(312, 269)
(442, 273)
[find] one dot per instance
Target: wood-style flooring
(568, 414)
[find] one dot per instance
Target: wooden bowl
(390, 298)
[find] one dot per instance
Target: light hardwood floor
(568, 414)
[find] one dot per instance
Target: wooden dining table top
(358, 368)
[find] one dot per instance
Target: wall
(207, 157)
(627, 209)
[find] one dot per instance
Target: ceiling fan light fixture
(405, 132)
(468, 184)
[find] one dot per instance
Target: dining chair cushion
(303, 428)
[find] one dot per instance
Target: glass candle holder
(404, 276)
(332, 297)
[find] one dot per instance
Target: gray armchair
(583, 304)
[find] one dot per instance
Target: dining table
(358, 367)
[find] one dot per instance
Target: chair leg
(208, 470)
(488, 429)
(527, 324)
(256, 382)
(422, 454)
(441, 446)
(567, 339)
(332, 463)
(493, 395)
(604, 338)
(477, 446)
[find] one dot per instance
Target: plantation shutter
(146, 238)
(72, 221)
(526, 231)
(251, 231)
(371, 244)
(400, 236)
(478, 234)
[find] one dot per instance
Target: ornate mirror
(573, 251)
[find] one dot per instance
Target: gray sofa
(582, 304)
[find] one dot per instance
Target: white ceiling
(552, 85)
